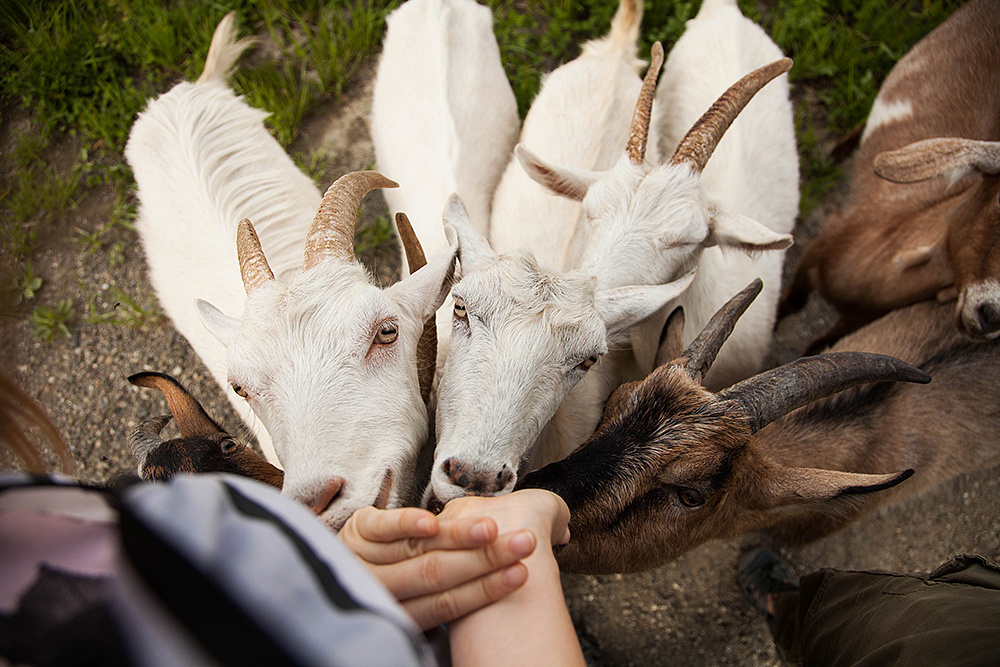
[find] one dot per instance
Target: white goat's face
(521, 338)
(646, 225)
(327, 363)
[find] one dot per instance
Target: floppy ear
(565, 181)
(781, 485)
(928, 158)
(622, 307)
(474, 250)
(732, 230)
(218, 323)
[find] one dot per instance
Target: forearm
(531, 626)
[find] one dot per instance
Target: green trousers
(837, 617)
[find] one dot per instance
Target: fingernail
(515, 575)
(522, 543)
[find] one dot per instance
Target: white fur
(444, 118)
(336, 404)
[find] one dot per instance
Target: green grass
(83, 69)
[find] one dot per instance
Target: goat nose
(988, 315)
(476, 482)
(321, 499)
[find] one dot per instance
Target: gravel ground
(689, 610)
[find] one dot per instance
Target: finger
(440, 570)
(432, 610)
(377, 525)
(455, 535)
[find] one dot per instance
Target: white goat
(444, 118)
(321, 355)
(648, 223)
(580, 118)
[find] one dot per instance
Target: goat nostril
(326, 495)
(446, 467)
(988, 314)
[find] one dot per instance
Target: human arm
(532, 625)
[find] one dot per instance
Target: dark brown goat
(204, 446)
(673, 465)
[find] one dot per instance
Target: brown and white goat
(204, 446)
(673, 465)
(901, 242)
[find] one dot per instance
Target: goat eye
(460, 311)
(690, 498)
(589, 361)
(240, 391)
(228, 446)
(387, 333)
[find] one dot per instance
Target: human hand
(542, 512)
(438, 569)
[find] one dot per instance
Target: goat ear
(474, 250)
(928, 158)
(565, 181)
(732, 230)
(622, 307)
(789, 486)
(426, 289)
(218, 323)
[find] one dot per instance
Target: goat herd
(614, 280)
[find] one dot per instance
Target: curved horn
(701, 353)
(427, 345)
(639, 133)
(775, 393)
(253, 264)
(331, 234)
(700, 141)
(191, 418)
(146, 436)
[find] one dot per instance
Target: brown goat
(673, 465)
(204, 446)
(900, 243)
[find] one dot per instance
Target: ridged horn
(700, 354)
(253, 264)
(774, 393)
(701, 140)
(331, 235)
(427, 345)
(639, 133)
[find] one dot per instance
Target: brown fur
(900, 243)
(803, 476)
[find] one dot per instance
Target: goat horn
(639, 133)
(253, 264)
(775, 393)
(700, 141)
(191, 418)
(331, 234)
(427, 345)
(146, 436)
(701, 353)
